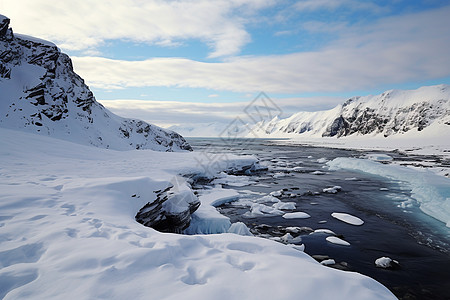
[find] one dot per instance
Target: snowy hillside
(392, 113)
(41, 93)
(68, 231)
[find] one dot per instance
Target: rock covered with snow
(391, 113)
(41, 93)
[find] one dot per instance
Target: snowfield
(68, 231)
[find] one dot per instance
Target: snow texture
(431, 191)
(68, 231)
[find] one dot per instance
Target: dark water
(418, 242)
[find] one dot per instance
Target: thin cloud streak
(394, 50)
(168, 113)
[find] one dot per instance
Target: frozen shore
(67, 230)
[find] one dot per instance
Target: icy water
(402, 232)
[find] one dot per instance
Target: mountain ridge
(42, 94)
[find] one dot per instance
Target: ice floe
(337, 241)
(386, 263)
(431, 191)
(347, 218)
(296, 215)
(332, 190)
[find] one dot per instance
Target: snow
(239, 228)
(328, 262)
(431, 191)
(385, 262)
(347, 218)
(326, 231)
(337, 241)
(379, 157)
(67, 231)
(296, 215)
(34, 39)
(332, 190)
(207, 220)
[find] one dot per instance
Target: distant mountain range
(393, 113)
(41, 93)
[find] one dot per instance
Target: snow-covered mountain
(41, 93)
(394, 112)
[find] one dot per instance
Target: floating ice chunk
(294, 229)
(322, 160)
(351, 179)
(347, 218)
(384, 189)
(379, 157)
(318, 173)
(298, 247)
(268, 198)
(326, 231)
(337, 241)
(258, 209)
(430, 190)
(233, 180)
(328, 262)
(276, 193)
(284, 205)
(296, 215)
(239, 228)
(287, 238)
(297, 169)
(332, 190)
(386, 263)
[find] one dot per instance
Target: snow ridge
(41, 93)
(393, 112)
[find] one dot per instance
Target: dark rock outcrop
(171, 210)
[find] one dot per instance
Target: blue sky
(306, 55)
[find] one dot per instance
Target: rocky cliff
(41, 93)
(392, 113)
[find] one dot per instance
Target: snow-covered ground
(68, 231)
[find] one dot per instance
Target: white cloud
(85, 25)
(394, 50)
(168, 113)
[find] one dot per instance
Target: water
(402, 232)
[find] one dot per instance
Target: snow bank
(67, 231)
(431, 191)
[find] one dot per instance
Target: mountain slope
(392, 113)
(41, 93)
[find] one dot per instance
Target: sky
(181, 62)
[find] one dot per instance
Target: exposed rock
(171, 210)
(42, 94)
